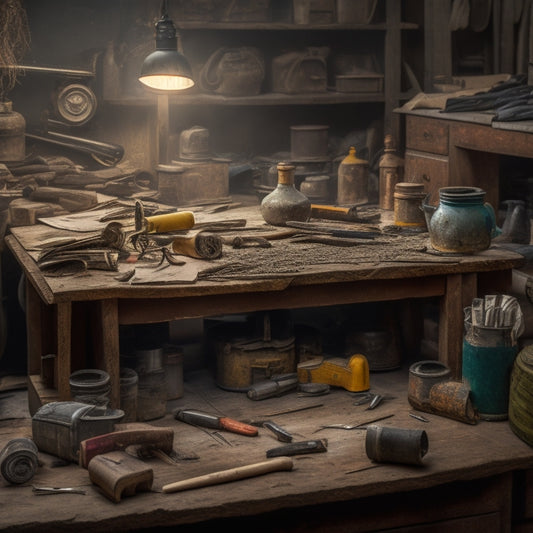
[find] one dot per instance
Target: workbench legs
(49, 341)
(461, 289)
(52, 354)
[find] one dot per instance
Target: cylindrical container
(391, 171)
(462, 222)
(408, 199)
(174, 370)
(517, 225)
(167, 178)
(487, 369)
(521, 396)
(355, 11)
(453, 400)
(128, 394)
(285, 203)
(19, 460)
(301, 11)
(12, 134)
(379, 347)
(91, 386)
(152, 395)
(149, 360)
(309, 143)
(316, 188)
(352, 180)
(422, 376)
(396, 445)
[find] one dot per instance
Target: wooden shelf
(289, 26)
(265, 99)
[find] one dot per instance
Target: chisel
(199, 418)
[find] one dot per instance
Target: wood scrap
(71, 200)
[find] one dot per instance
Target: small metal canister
(422, 376)
(408, 199)
(59, 427)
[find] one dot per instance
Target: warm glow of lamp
(166, 69)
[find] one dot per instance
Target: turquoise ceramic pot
(462, 222)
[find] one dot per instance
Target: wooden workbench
(57, 307)
(474, 478)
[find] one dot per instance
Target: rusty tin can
(408, 199)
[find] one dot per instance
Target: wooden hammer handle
(233, 474)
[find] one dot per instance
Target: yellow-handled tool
(352, 374)
(180, 220)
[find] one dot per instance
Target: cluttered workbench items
(172, 472)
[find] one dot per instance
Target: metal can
(408, 198)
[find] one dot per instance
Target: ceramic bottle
(285, 203)
(352, 180)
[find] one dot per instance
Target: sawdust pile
(289, 256)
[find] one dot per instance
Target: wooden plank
(437, 42)
(507, 38)
(393, 51)
(107, 349)
(135, 311)
(34, 329)
(63, 331)
(459, 288)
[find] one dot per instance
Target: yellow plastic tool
(350, 373)
(180, 220)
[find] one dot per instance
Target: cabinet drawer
(427, 134)
(429, 169)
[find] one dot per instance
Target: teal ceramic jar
(462, 222)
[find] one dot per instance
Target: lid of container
(319, 179)
(352, 159)
(409, 188)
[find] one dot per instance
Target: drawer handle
(425, 177)
(427, 135)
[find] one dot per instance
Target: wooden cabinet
(426, 154)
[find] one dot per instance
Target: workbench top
(457, 452)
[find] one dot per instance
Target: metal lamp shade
(166, 70)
